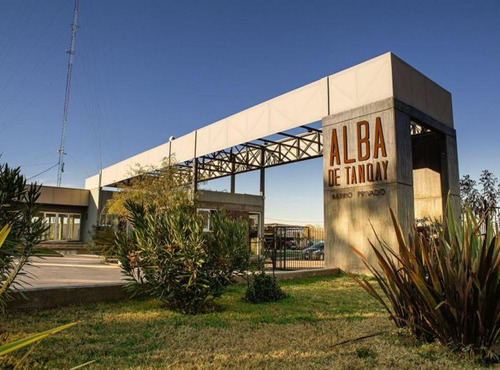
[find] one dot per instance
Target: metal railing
(293, 247)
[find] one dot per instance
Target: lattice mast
(71, 53)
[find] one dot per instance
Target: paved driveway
(71, 270)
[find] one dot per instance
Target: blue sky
(146, 70)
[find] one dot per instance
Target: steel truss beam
(252, 156)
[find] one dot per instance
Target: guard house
(64, 210)
(384, 130)
(67, 213)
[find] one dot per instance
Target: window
(205, 213)
(74, 227)
(108, 219)
(254, 233)
(254, 224)
(61, 226)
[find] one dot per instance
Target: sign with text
(357, 155)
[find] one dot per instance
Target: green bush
(170, 257)
(103, 241)
(264, 288)
(19, 210)
(445, 287)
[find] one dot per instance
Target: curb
(52, 297)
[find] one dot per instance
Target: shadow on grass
(297, 331)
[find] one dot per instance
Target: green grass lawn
(298, 332)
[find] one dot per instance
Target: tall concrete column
(371, 164)
(91, 218)
(450, 182)
(367, 166)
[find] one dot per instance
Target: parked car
(290, 243)
(314, 252)
(286, 242)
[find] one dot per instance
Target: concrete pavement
(71, 270)
(85, 279)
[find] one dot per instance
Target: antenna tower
(71, 53)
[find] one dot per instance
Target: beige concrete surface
(418, 171)
(71, 270)
(64, 196)
(80, 271)
(379, 78)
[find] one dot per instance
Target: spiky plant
(19, 210)
(446, 287)
(170, 257)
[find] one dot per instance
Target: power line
(35, 164)
(41, 173)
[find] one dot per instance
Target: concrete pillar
(367, 171)
(372, 163)
(91, 218)
(450, 174)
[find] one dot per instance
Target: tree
(468, 193)
(166, 253)
(484, 202)
(19, 210)
(165, 188)
(490, 192)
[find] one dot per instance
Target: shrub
(170, 257)
(445, 287)
(103, 241)
(165, 188)
(264, 288)
(19, 210)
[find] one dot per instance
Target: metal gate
(293, 247)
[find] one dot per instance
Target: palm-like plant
(19, 210)
(444, 287)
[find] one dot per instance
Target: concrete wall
(64, 196)
(65, 200)
(230, 201)
(237, 205)
(92, 215)
(427, 189)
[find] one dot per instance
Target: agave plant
(445, 287)
(34, 339)
(21, 343)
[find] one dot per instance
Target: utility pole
(71, 53)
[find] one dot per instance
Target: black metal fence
(293, 247)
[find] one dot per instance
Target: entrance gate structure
(387, 141)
